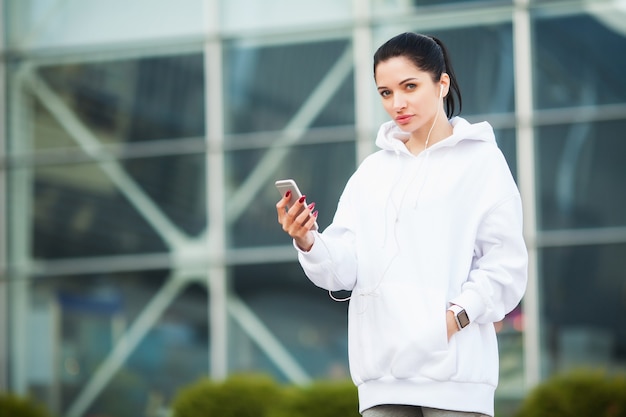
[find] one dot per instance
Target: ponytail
(455, 90)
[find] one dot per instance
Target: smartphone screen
(290, 185)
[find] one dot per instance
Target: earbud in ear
(441, 91)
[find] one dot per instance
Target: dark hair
(428, 54)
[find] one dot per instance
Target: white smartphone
(290, 185)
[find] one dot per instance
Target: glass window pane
(482, 58)
(37, 24)
(511, 384)
(80, 211)
(583, 307)
(579, 60)
(581, 171)
(321, 171)
(243, 15)
(81, 319)
(273, 139)
(267, 86)
(130, 102)
(506, 140)
(177, 185)
(305, 320)
(413, 6)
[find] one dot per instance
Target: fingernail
(302, 199)
(311, 206)
(315, 213)
(288, 193)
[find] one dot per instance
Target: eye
(384, 93)
(411, 86)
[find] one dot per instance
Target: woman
(428, 237)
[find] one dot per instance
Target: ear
(444, 81)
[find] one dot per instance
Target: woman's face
(409, 95)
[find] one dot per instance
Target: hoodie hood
(391, 138)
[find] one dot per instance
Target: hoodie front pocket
(401, 332)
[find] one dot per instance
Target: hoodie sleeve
(498, 277)
(331, 263)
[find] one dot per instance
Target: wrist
(306, 243)
(460, 316)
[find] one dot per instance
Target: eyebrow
(400, 83)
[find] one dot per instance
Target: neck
(422, 139)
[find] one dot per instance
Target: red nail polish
(302, 199)
(315, 214)
(311, 206)
(288, 193)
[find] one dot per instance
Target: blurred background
(140, 140)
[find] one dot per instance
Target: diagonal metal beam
(90, 144)
(295, 129)
(264, 338)
(256, 180)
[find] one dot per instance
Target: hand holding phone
(290, 185)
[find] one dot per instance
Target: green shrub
(320, 399)
(238, 396)
(578, 393)
(15, 406)
(260, 396)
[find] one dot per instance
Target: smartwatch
(460, 315)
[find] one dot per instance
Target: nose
(399, 103)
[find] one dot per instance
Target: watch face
(463, 319)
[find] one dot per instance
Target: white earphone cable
(432, 127)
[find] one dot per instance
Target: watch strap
(460, 316)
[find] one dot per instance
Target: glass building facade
(141, 139)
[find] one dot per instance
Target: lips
(404, 119)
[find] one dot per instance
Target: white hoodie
(411, 236)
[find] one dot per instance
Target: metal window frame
(4, 318)
(526, 174)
